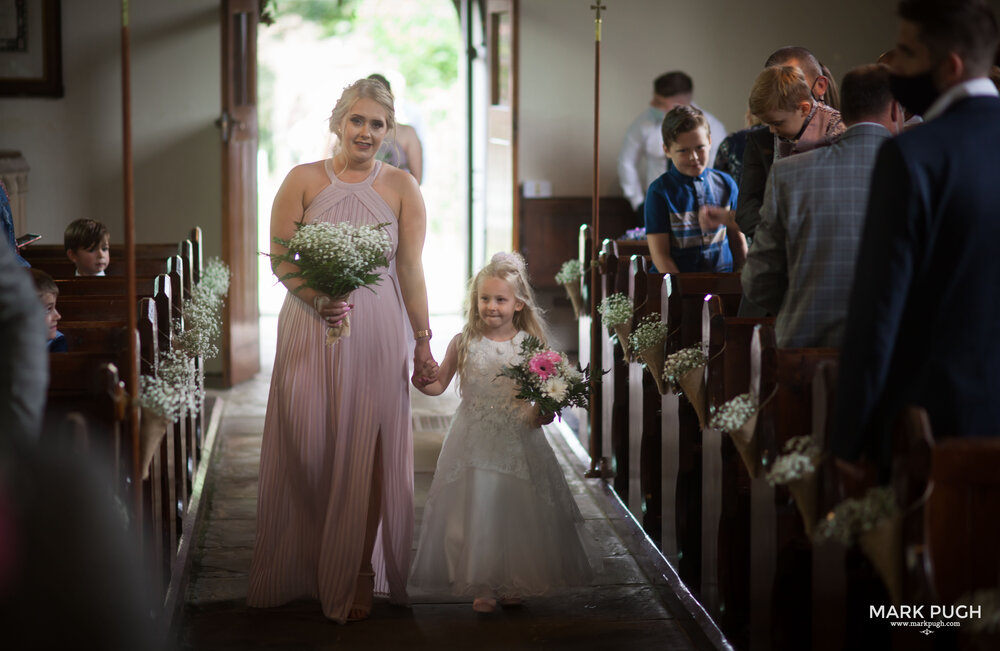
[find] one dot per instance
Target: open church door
(501, 126)
(238, 129)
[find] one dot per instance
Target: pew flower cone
(804, 492)
(647, 342)
(685, 370)
(796, 469)
(616, 313)
(569, 276)
(747, 445)
(738, 418)
(692, 384)
(622, 331)
(575, 297)
(652, 357)
(875, 523)
(883, 545)
(152, 429)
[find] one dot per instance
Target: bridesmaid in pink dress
(335, 500)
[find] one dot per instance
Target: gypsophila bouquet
(202, 323)
(733, 414)
(547, 379)
(335, 259)
(176, 388)
(569, 277)
(215, 277)
(682, 362)
(650, 332)
(569, 272)
(799, 459)
(852, 518)
(615, 310)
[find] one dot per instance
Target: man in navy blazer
(923, 321)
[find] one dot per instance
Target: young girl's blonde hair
(781, 88)
(510, 268)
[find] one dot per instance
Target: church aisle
(630, 606)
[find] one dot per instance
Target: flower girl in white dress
(500, 521)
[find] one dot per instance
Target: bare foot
(484, 605)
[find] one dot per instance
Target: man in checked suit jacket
(923, 319)
(801, 262)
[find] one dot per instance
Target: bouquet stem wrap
(623, 330)
(343, 329)
(747, 444)
(653, 358)
(152, 429)
(804, 490)
(692, 384)
(883, 545)
(575, 297)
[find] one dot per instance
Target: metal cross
(598, 7)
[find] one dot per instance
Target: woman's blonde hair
(781, 88)
(510, 268)
(371, 89)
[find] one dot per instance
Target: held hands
(425, 369)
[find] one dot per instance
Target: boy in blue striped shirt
(687, 207)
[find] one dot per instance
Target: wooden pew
(614, 384)
(725, 478)
(682, 298)
(780, 551)
(589, 338)
(90, 285)
(644, 492)
(192, 248)
(66, 269)
(961, 515)
(93, 336)
(46, 252)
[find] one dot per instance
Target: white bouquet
(336, 259)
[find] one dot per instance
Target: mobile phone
(27, 239)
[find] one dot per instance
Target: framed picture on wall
(30, 48)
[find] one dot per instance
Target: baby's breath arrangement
(569, 277)
(683, 361)
(215, 277)
(852, 518)
(176, 388)
(799, 459)
(202, 323)
(733, 414)
(336, 258)
(569, 272)
(615, 310)
(651, 331)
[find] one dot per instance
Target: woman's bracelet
(422, 334)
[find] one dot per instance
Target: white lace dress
(499, 519)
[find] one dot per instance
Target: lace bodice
(491, 424)
(482, 390)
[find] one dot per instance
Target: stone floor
(635, 603)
